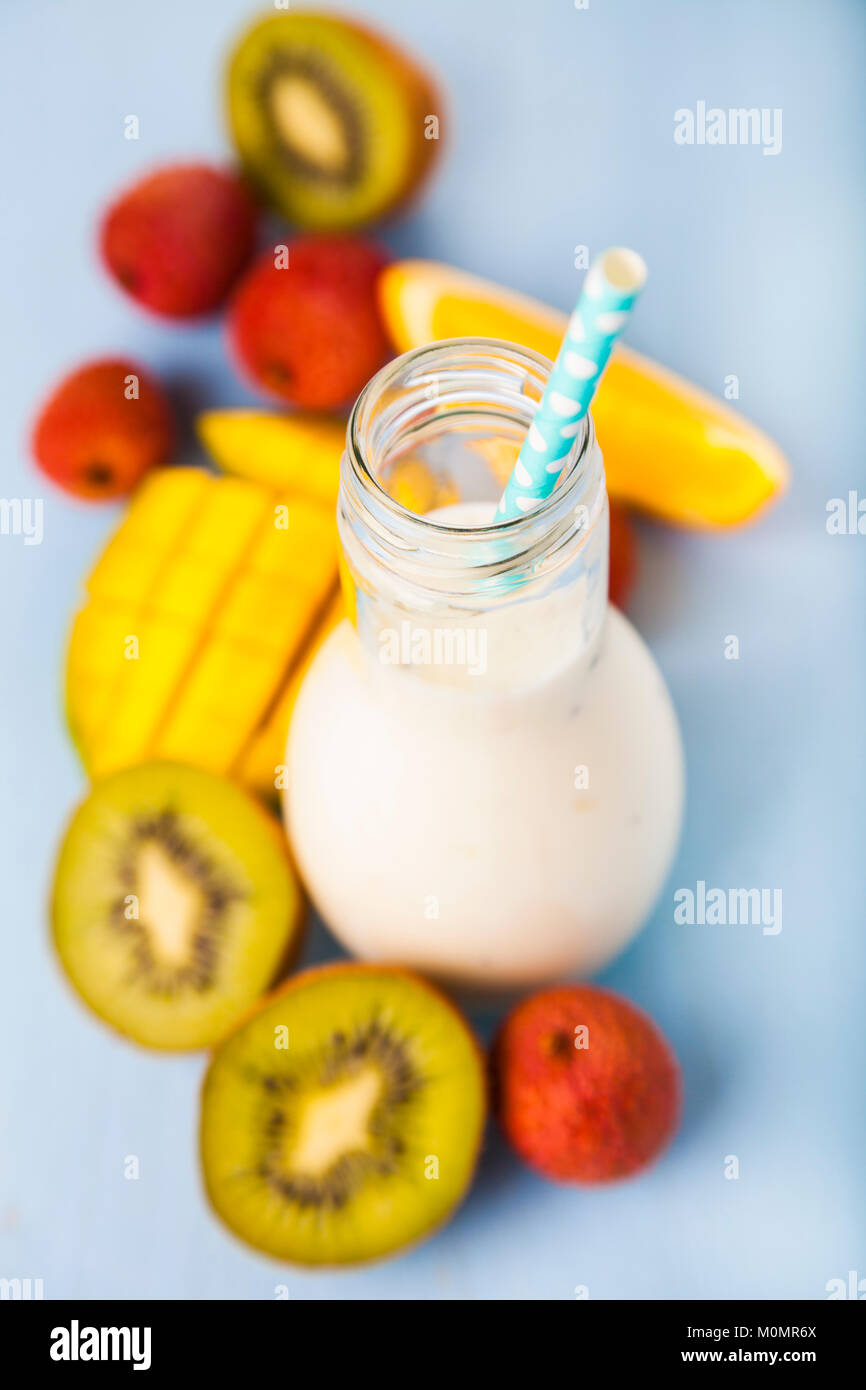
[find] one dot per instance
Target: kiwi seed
(344, 1057)
(315, 127)
(215, 892)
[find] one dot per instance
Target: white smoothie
(495, 828)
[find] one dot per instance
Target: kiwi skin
(428, 99)
(343, 968)
(270, 827)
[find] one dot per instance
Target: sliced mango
(168, 623)
(297, 453)
(220, 705)
(669, 448)
(262, 614)
(197, 615)
(261, 764)
(131, 562)
(164, 502)
(151, 673)
(297, 527)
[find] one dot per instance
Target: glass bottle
(485, 769)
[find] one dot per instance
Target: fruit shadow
(661, 598)
(191, 393)
(187, 393)
(319, 947)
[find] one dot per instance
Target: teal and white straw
(610, 291)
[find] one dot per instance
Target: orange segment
(673, 450)
(423, 301)
(669, 447)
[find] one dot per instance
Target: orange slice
(670, 448)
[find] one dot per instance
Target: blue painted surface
(562, 135)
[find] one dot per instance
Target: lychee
(304, 323)
(102, 428)
(178, 239)
(586, 1087)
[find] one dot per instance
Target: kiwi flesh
(329, 119)
(342, 1121)
(174, 904)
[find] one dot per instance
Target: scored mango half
(669, 448)
(201, 614)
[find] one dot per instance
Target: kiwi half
(174, 904)
(343, 1119)
(329, 119)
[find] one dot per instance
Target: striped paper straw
(610, 291)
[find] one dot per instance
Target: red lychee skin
(177, 240)
(623, 555)
(311, 333)
(589, 1114)
(94, 438)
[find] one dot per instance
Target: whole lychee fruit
(586, 1088)
(623, 555)
(178, 239)
(304, 323)
(102, 428)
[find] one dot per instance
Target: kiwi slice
(343, 1119)
(174, 904)
(330, 120)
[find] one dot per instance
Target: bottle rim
(448, 377)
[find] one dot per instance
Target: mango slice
(198, 616)
(299, 453)
(669, 448)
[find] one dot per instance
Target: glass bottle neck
(427, 591)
